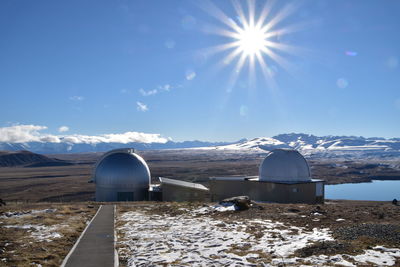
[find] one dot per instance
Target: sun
(252, 40)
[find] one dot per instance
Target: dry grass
(20, 247)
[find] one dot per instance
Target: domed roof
(285, 166)
(122, 167)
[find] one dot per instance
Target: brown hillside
(28, 159)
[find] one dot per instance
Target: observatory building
(284, 177)
(175, 190)
(121, 175)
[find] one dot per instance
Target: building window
(295, 190)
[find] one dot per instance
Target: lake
(377, 190)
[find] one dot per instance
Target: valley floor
(70, 183)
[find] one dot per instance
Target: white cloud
(127, 137)
(32, 133)
(26, 133)
(190, 75)
(124, 138)
(76, 98)
(63, 129)
(161, 88)
(147, 93)
(50, 139)
(141, 106)
(165, 87)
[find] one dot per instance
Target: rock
(259, 207)
(394, 202)
(240, 202)
(318, 209)
(293, 210)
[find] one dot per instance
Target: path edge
(79, 239)
(116, 257)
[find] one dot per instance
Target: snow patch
(21, 214)
(209, 209)
(39, 232)
(192, 240)
(196, 239)
(379, 255)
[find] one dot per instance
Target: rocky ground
(40, 234)
(340, 233)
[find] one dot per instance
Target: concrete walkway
(95, 247)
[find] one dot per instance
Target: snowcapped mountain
(68, 147)
(307, 144)
(322, 146)
(261, 143)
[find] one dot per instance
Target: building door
(125, 196)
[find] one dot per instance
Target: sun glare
(254, 38)
(251, 41)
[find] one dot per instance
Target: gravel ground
(388, 233)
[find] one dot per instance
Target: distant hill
(28, 159)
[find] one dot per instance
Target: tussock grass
(19, 247)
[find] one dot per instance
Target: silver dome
(283, 165)
(121, 175)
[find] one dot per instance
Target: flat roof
(164, 180)
(256, 179)
(296, 182)
(233, 178)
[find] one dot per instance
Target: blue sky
(104, 67)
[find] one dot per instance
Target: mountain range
(306, 143)
(324, 146)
